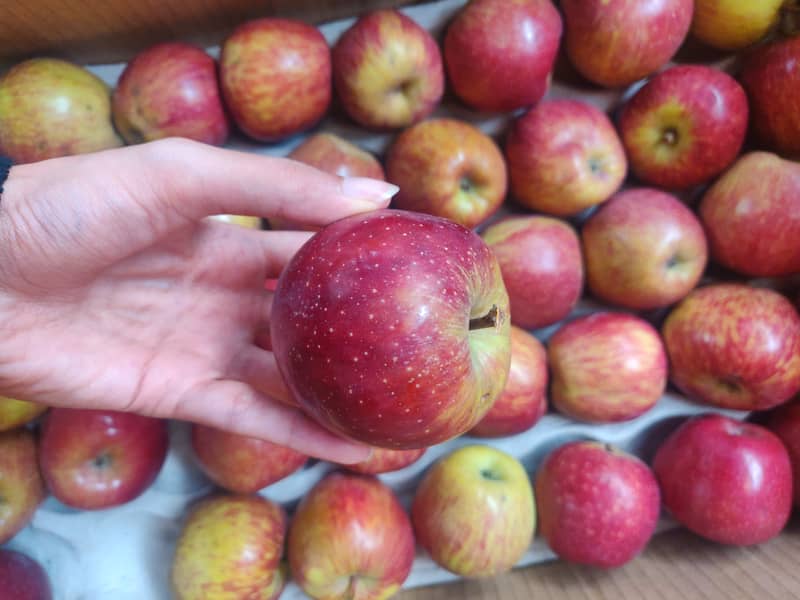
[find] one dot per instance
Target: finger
(259, 369)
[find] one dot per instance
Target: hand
(116, 291)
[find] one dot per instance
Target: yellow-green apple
(771, 79)
(734, 346)
(170, 89)
(474, 511)
(275, 76)
(242, 464)
(784, 421)
(727, 481)
(751, 215)
(524, 398)
(734, 24)
(15, 413)
(597, 505)
(230, 547)
(51, 107)
(540, 258)
(387, 70)
(249, 222)
(499, 54)
(615, 43)
(606, 367)
(448, 168)
(385, 460)
(685, 126)
(643, 249)
(22, 577)
(350, 538)
(564, 155)
(21, 487)
(392, 328)
(94, 459)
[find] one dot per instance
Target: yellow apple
(734, 24)
(15, 413)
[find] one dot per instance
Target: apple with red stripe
(21, 487)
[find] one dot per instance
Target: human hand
(116, 291)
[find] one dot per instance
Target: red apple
(644, 249)
(734, 24)
(275, 76)
(524, 398)
(170, 89)
(242, 464)
(752, 216)
(771, 79)
(93, 459)
(230, 547)
(51, 107)
(499, 54)
(784, 421)
(474, 511)
(387, 70)
(614, 43)
(540, 258)
(350, 538)
(597, 505)
(606, 367)
(384, 460)
(22, 578)
(563, 157)
(15, 413)
(734, 346)
(684, 126)
(726, 481)
(392, 328)
(21, 486)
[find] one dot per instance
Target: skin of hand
(117, 292)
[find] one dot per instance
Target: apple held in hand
(21, 487)
(275, 76)
(784, 421)
(15, 413)
(474, 511)
(230, 547)
(734, 346)
(684, 126)
(22, 578)
(597, 505)
(385, 460)
(499, 54)
(392, 328)
(643, 249)
(350, 538)
(726, 481)
(734, 24)
(448, 168)
(387, 70)
(563, 157)
(94, 459)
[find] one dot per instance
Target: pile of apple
(459, 311)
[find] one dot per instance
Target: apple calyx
(489, 320)
(670, 136)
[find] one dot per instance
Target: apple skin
(350, 538)
(771, 80)
(249, 222)
(597, 505)
(448, 168)
(734, 24)
(734, 346)
(499, 54)
(784, 421)
(384, 460)
(94, 459)
(540, 258)
(685, 126)
(242, 464)
(614, 43)
(22, 578)
(21, 487)
(275, 76)
(369, 328)
(564, 156)
(51, 107)
(16, 413)
(230, 547)
(170, 89)
(751, 216)
(387, 71)
(726, 481)
(606, 367)
(474, 511)
(524, 398)
(643, 249)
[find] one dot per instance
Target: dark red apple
(385, 460)
(784, 421)
(21, 487)
(22, 578)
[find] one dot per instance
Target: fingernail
(369, 190)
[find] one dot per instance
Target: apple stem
(486, 321)
(350, 592)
